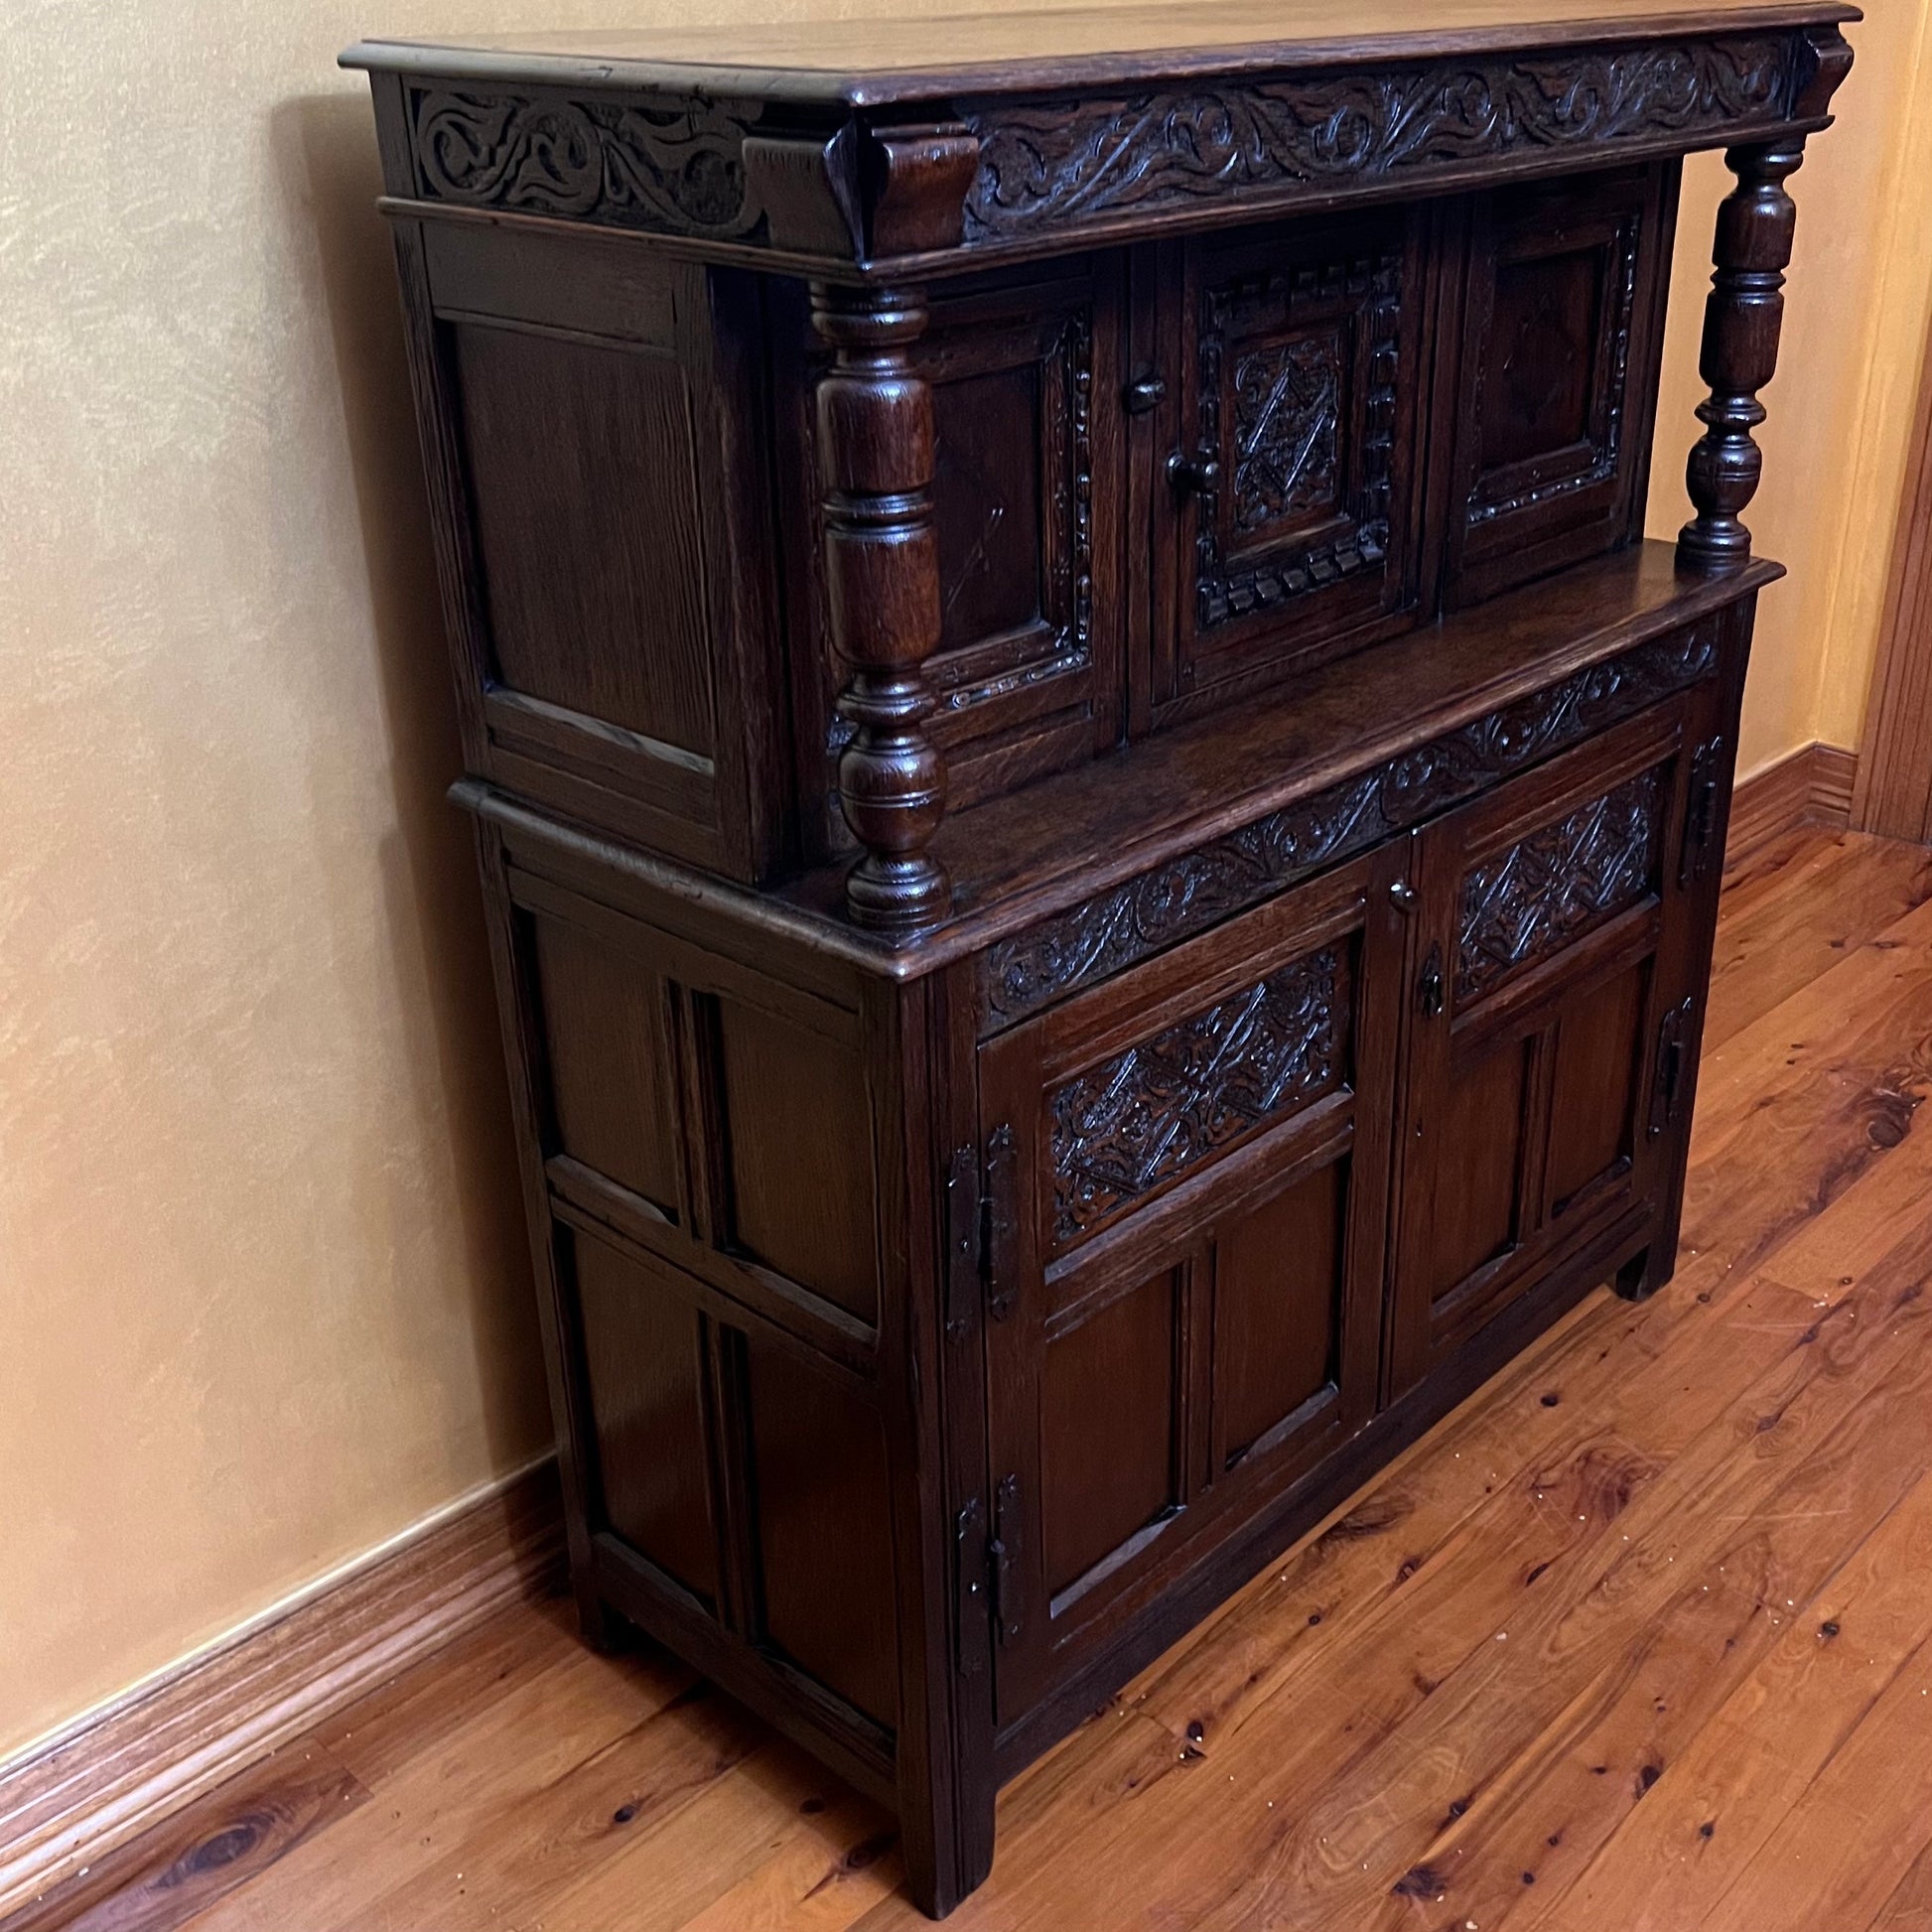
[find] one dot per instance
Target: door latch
(1429, 985)
(1000, 1223)
(1003, 1557)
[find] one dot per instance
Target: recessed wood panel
(1561, 332)
(642, 1356)
(1477, 1159)
(584, 481)
(609, 1100)
(1278, 1292)
(1108, 1421)
(824, 1528)
(1543, 336)
(986, 503)
(1593, 1104)
(797, 1142)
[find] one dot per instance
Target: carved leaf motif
(1165, 1105)
(1158, 907)
(673, 165)
(1538, 894)
(1069, 161)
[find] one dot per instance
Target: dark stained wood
(1737, 1633)
(1102, 837)
(1742, 320)
(1561, 332)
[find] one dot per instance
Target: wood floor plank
(1673, 1856)
(1850, 1841)
(212, 1848)
(778, 1826)
(1812, 899)
(1795, 1107)
(445, 1759)
(1909, 1908)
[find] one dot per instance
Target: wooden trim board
(73, 1798)
(1812, 785)
(1894, 793)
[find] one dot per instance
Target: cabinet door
(1287, 521)
(1549, 966)
(1188, 1171)
(1563, 330)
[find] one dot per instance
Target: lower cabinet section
(1250, 1192)
(921, 1378)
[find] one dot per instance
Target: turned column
(882, 571)
(1742, 318)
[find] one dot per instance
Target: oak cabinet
(1100, 831)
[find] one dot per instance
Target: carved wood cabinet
(1101, 833)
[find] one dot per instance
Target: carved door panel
(1550, 994)
(1188, 1181)
(1026, 500)
(1287, 522)
(1562, 330)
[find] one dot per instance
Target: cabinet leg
(945, 1841)
(1632, 1281)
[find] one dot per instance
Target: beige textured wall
(262, 1286)
(1855, 327)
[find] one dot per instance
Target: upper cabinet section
(834, 428)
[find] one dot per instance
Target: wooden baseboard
(70, 1800)
(1811, 787)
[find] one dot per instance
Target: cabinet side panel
(582, 469)
(642, 1353)
(797, 1155)
(824, 1529)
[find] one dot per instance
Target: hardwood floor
(1637, 1640)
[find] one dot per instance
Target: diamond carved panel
(1135, 1121)
(1287, 431)
(1548, 890)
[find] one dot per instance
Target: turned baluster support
(1741, 320)
(882, 569)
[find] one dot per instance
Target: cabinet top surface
(860, 61)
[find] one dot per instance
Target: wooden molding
(1812, 785)
(70, 1800)
(1894, 795)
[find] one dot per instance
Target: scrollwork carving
(1158, 907)
(673, 166)
(1072, 160)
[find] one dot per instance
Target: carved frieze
(1545, 892)
(1156, 909)
(674, 166)
(1070, 161)
(1166, 1104)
